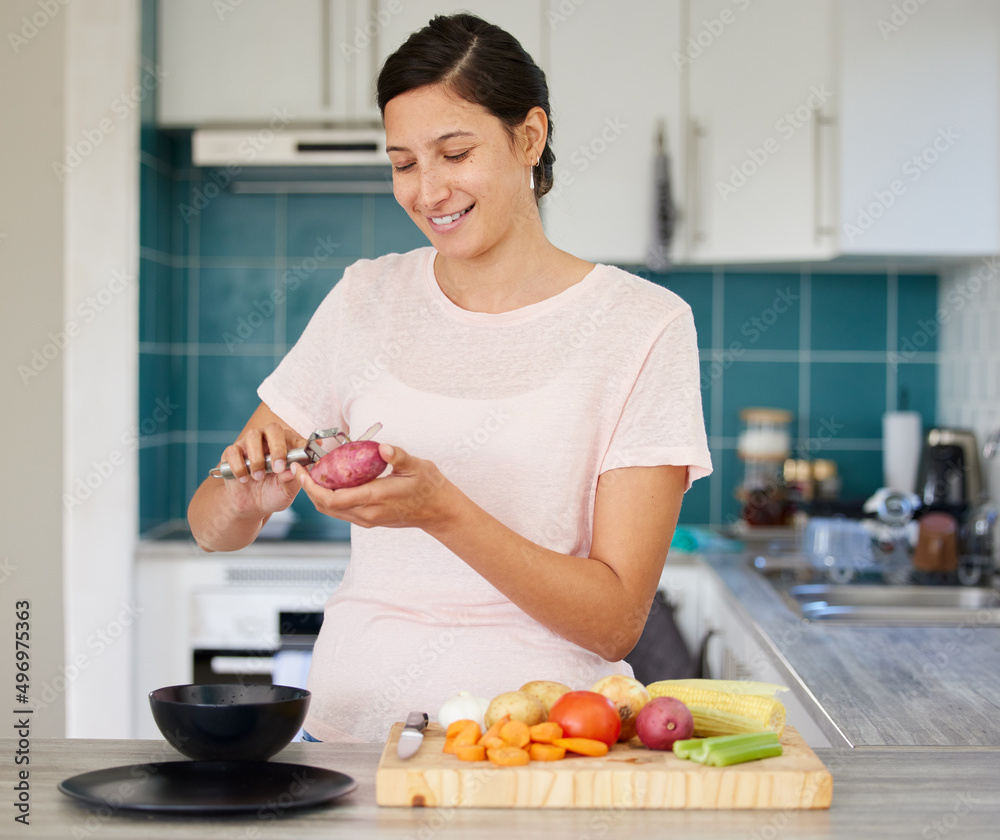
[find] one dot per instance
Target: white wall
(68, 256)
(32, 260)
(969, 353)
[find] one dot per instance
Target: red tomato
(587, 714)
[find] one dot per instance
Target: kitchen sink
(813, 596)
(896, 604)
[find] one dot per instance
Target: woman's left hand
(413, 495)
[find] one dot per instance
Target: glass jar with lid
(763, 445)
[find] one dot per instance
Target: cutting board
(629, 776)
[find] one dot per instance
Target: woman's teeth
(443, 220)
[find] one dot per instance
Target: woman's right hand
(254, 491)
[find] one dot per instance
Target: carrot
(463, 735)
(546, 752)
(516, 734)
(494, 730)
(546, 733)
(456, 727)
(583, 746)
(508, 756)
(490, 741)
(471, 752)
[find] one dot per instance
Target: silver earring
(531, 176)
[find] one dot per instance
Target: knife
(412, 735)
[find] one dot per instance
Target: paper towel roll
(902, 440)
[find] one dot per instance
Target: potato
(519, 705)
(546, 691)
(349, 465)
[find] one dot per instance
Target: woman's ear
(536, 131)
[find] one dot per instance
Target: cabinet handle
(819, 123)
(324, 52)
(698, 133)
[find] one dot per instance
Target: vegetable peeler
(308, 454)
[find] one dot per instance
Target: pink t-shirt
(523, 411)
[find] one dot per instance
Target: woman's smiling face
(456, 171)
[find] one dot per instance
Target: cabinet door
(239, 63)
(759, 140)
(920, 169)
(399, 18)
(613, 81)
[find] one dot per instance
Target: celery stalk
(724, 750)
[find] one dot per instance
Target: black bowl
(229, 722)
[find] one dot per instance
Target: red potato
(349, 465)
(662, 721)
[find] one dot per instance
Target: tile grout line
(280, 269)
(805, 358)
(194, 314)
(891, 339)
(717, 417)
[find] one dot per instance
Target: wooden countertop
(898, 792)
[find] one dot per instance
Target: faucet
(991, 445)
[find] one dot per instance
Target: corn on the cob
(726, 707)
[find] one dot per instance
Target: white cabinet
(613, 80)
(521, 18)
(820, 128)
(761, 89)
(253, 61)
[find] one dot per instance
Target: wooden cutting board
(629, 776)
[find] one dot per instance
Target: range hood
(288, 146)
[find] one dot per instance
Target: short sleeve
(662, 421)
(301, 390)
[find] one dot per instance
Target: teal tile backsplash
(229, 281)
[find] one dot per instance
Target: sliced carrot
(490, 741)
(545, 733)
(456, 727)
(516, 734)
(494, 730)
(471, 752)
(469, 735)
(583, 746)
(508, 756)
(463, 735)
(546, 752)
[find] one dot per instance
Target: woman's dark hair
(480, 62)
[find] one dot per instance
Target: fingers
(247, 457)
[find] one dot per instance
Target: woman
(541, 415)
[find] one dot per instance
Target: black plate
(209, 787)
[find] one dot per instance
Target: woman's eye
(460, 156)
(404, 167)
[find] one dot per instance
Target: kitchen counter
(878, 793)
(876, 686)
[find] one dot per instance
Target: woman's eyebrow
(442, 139)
